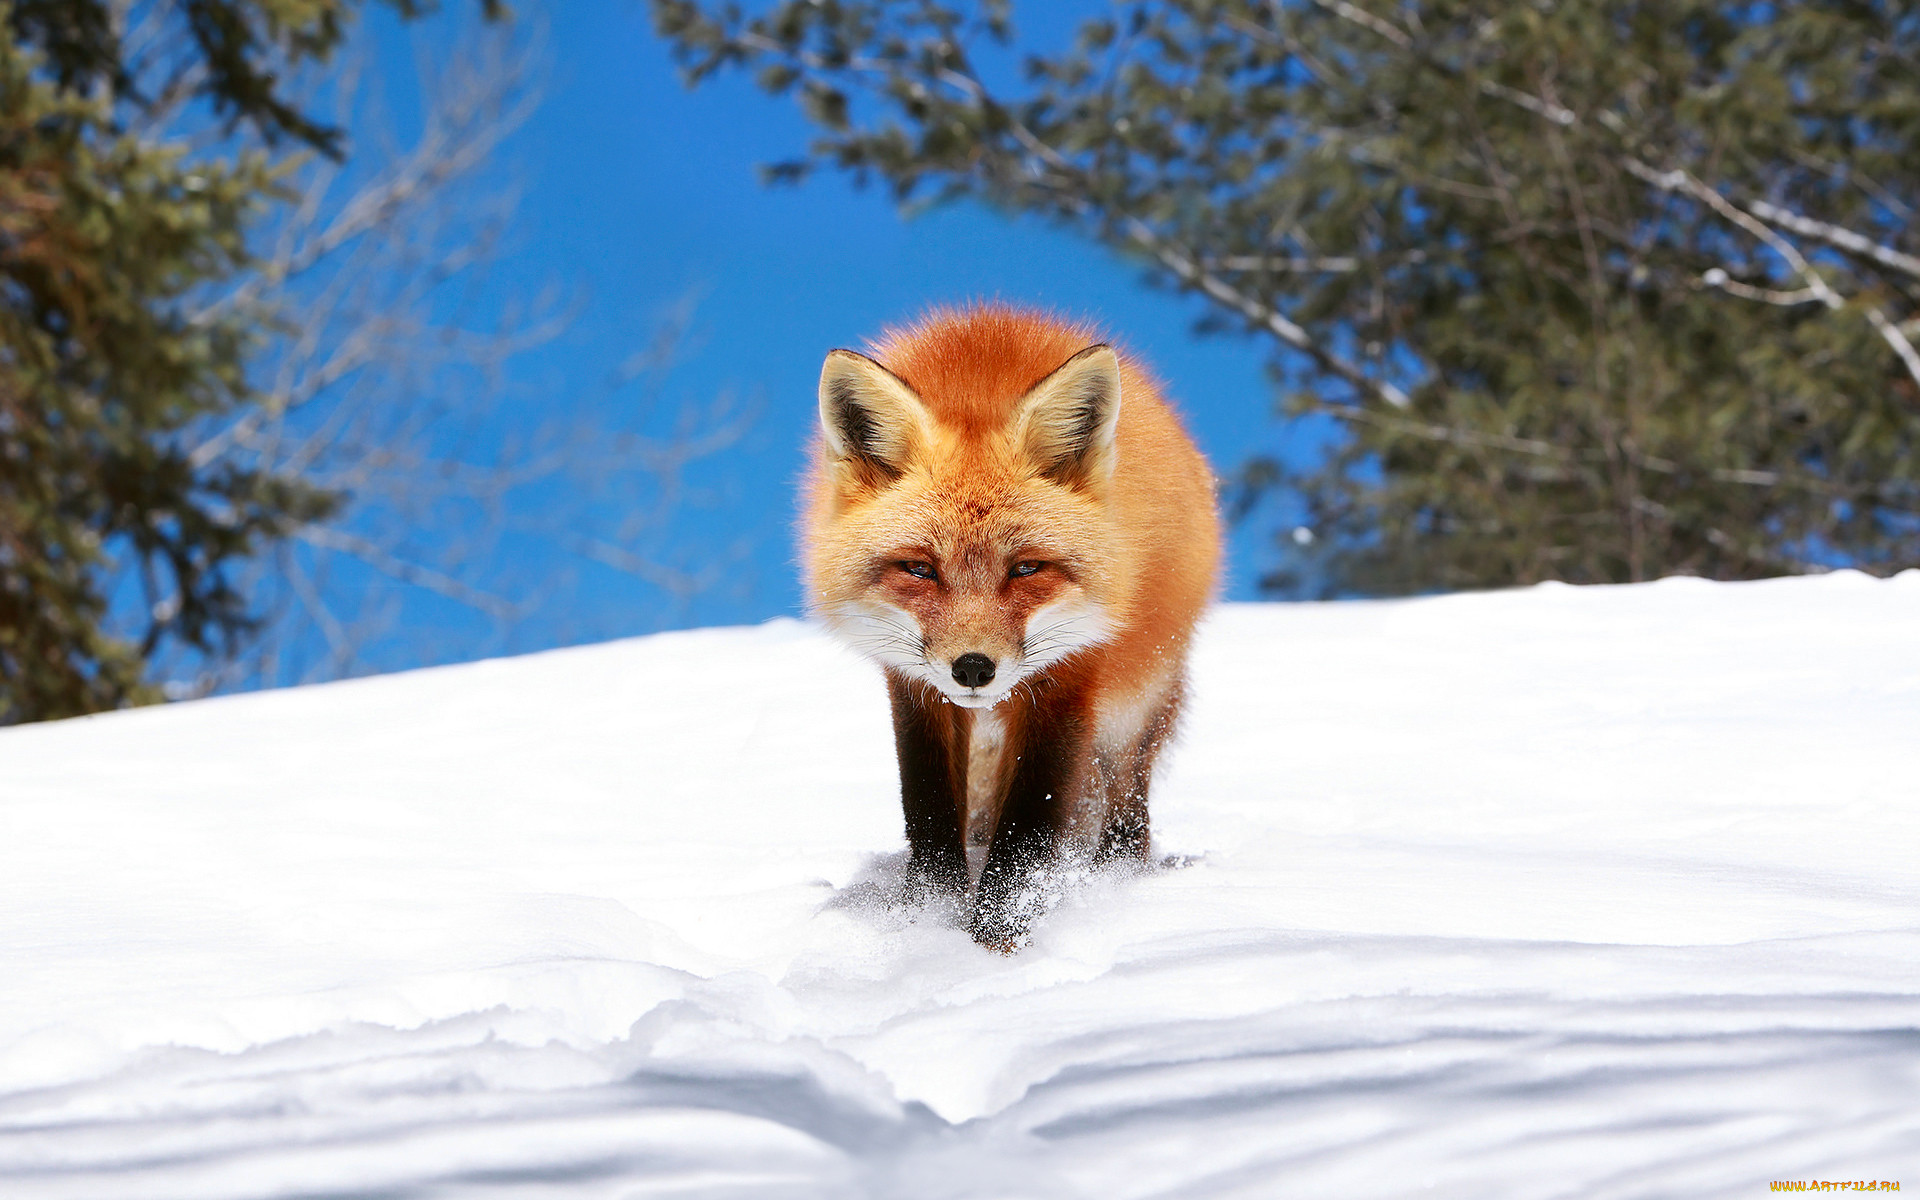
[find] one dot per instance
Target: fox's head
(963, 540)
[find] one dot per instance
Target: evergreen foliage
(1597, 290)
(107, 236)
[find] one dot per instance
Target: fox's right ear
(868, 414)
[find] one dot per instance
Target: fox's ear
(868, 414)
(1067, 421)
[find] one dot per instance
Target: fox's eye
(1023, 569)
(919, 570)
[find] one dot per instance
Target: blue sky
(638, 193)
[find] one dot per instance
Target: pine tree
(107, 234)
(1595, 291)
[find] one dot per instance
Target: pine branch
(1067, 183)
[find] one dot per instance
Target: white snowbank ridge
(1560, 892)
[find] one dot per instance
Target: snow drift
(1558, 892)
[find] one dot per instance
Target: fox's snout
(973, 670)
(974, 662)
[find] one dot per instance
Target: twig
(1718, 278)
(392, 565)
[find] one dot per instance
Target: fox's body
(1011, 521)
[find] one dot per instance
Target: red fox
(1007, 517)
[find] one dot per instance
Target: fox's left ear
(1067, 421)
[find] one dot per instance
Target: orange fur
(1067, 551)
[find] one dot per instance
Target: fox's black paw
(997, 931)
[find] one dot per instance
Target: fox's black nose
(973, 670)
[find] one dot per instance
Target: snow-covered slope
(1598, 892)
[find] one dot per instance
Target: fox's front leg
(1054, 757)
(931, 740)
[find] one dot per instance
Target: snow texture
(1598, 892)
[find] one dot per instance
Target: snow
(1555, 892)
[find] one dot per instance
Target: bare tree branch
(388, 563)
(1432, 432)
(1683, 181)
(1366, 20)
(1896, 337)
(1067, 184)
(1253, 262)
(1834, 235)
(381, 380)
(1263, 315)
(1756, 211)
(1678, 180)
(1718, 278)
